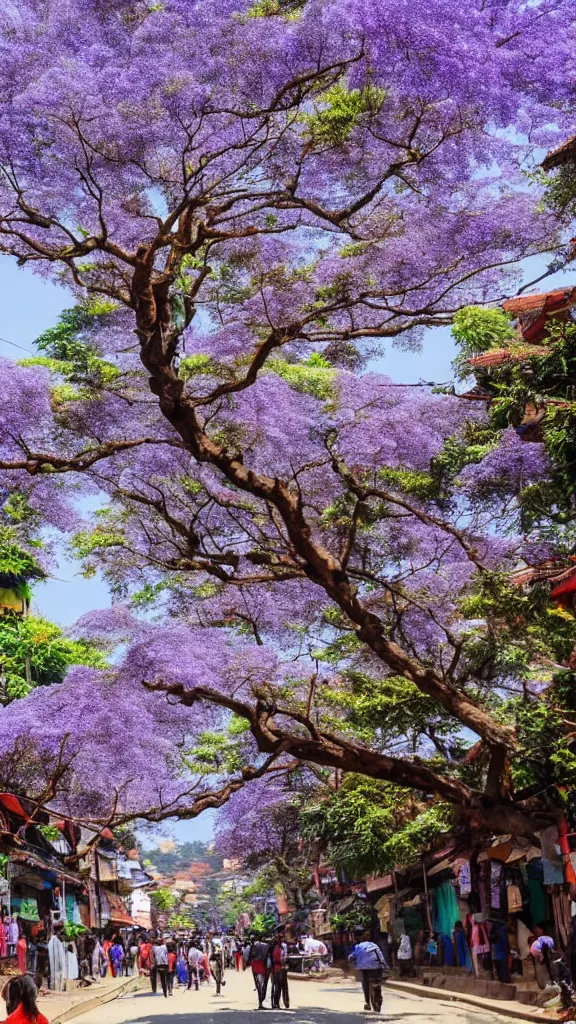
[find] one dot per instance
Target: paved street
(337, 1002)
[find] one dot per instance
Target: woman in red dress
(144, 958)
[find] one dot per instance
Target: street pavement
(337, 1001)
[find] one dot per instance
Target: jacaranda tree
(246, 200)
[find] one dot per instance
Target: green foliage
(418, 834)
(338, 111)
(17, 510)
(471, 446)
(182, 919)
(288, 9)
(182, 856)
(476, 330)
(542, 382)
(560, 190)
(393, 704)
(314, 377)
(410, 481)
(35, 652)
(263, 924)
(163, 899)
(358, 916)
(193, 366)
(72, 931)
(16, 564)
(50, 832)
(544, 726)
(108, 534)
(215, 752)
(68, 354)
(369, 826)
(520, 631)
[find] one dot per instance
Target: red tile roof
(498, 356)
(551, 302)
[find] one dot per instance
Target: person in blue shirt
(369, 961)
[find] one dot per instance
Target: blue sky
(30, 304)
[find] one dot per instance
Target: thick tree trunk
(480, 811)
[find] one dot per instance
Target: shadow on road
(160, 1014)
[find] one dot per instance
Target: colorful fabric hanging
(445, 911)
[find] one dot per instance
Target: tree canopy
(307, 558)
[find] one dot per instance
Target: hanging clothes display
(551, 857)
(13, 936)
(465, 879)
(57, 957)
(383, 911)
(444, 908)
(514, 899)
(478, 937)
(21, 950)
(483, 887)
(537, 897)
(495, 884)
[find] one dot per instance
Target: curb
(427, 992)
(92, 1004)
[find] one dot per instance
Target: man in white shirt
(196, 959)
(159, 966)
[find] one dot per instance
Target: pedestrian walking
(172, 961)
(159, 966)
(116, 958)
(258, 960)
(216, 959)
(279, 958)
(182, 968)
(196, 960)
(131, 961)
(236, 950)
(370, 963)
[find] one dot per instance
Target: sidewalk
(62, 1006)
(508, 1007)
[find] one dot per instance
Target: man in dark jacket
(259, 961)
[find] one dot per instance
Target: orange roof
(497, 356)
(494, 358)
(553, 301)
(563, 154)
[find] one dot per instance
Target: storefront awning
(37, 861)
(118, 913)
(374, 883)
